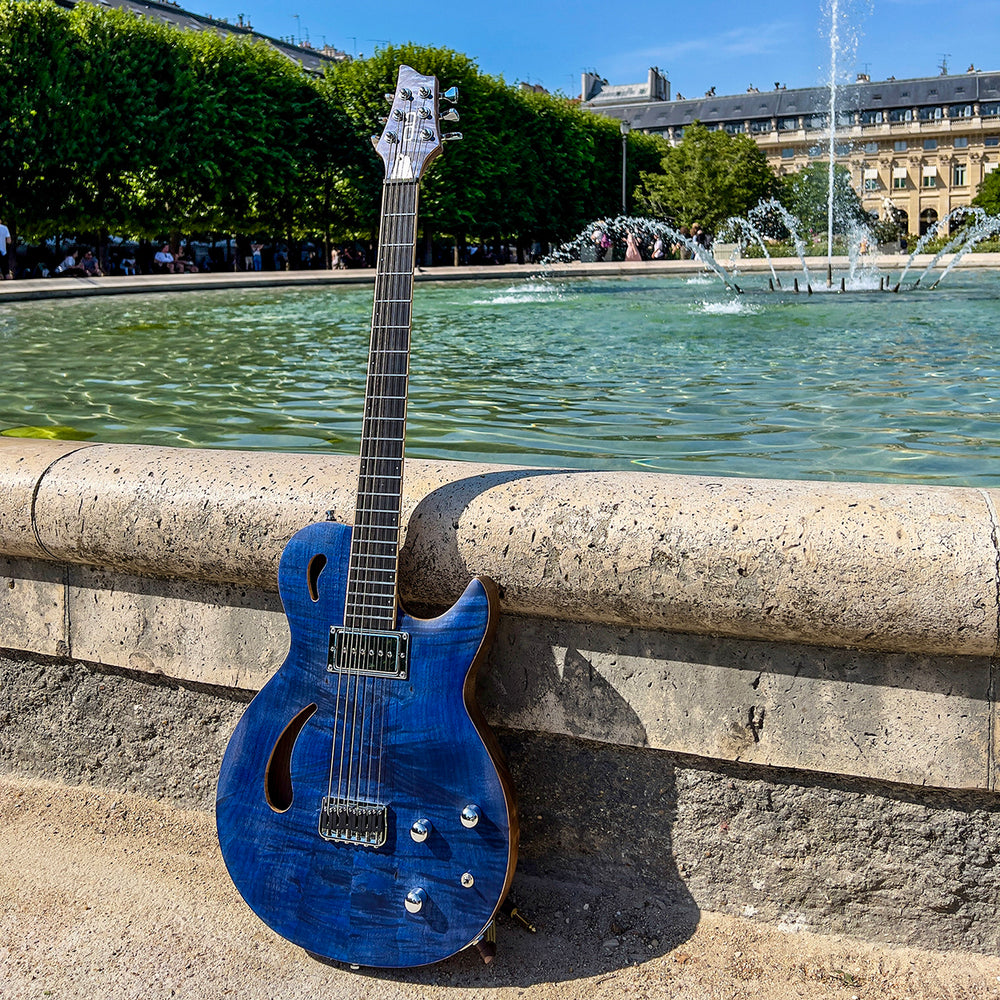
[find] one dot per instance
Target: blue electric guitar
(363, 810)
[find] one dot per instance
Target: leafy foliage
(708, 177)
(806, 195)
(988, 195)
(118, 122)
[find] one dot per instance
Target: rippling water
(666, 374)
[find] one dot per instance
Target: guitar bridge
(369, 652)
(346, 821)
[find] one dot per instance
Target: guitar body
(342, 900)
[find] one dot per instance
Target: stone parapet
(846, 628)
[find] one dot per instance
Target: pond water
(669, 374)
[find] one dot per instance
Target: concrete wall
(843, 629)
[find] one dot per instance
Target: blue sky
(700, 43)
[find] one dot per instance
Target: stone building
(920, 147)
(312, 59)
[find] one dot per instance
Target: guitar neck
(372, 574)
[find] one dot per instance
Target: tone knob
(467, 880)
(470, 816)
(415, 900)
(420, 830)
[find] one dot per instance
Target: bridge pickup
(370, 653)
(345, 821)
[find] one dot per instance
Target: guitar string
(372, 522)
(390, 343)
(348, 666)
(392, 399)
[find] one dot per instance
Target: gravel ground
(114, 896)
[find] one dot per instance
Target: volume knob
(470, 816)
(420, 830)
(415, 900)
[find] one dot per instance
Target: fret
(375, 555)
(360, 607)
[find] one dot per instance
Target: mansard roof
(866, 95)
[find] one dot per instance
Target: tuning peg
(383, 120)
(374, 140)
(450, 95)
(451, 115)
(451, 136)
(389, 98)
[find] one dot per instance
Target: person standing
(6, 254)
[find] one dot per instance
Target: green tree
(43, 138)
(806, 195)
(988, 194)
(708, 177)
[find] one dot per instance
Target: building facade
(916, 148)
(313, 60)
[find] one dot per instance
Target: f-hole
(278, 775)
(316, 566)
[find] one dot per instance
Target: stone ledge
(828, 627)
(896, 568)
(900, 717)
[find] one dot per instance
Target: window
(872, 117)
(816, 121)
(787, 153)
(961, 141)
(990, 110)
(930, 177)
(899, 178)
(958, 175)
(760, 125)
(900, 145)
(815, 150)
(843, 149)
(992, 140)
(788, 124)
(871, 147)
(930, 143)
(897, 115)
(960, 111)
(734, 128)
(870, 178)
(930, 114)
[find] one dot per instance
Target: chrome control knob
(415, 900)
(470, 816)
(420, 830)
(467, 880)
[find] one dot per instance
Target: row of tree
(118, 122)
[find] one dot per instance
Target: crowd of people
(146, 257)
(242, 254)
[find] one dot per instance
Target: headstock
(411, 137)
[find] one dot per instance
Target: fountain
(771, 216)
(643, 230)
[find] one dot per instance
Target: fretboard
(372, 573)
